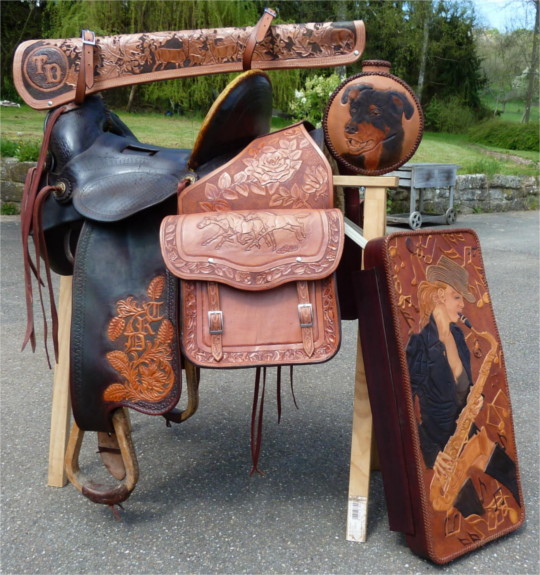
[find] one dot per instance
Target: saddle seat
(105, 174)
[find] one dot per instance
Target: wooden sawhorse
(362, 431)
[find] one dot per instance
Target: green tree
(429, 44)
(532, 84)
(453, 68)
(19, 21)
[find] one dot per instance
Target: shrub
(449, 115)
(24, 150)
(486, 166)
(28, 151)
(9, 209)
(8, 149)
(310, 103)
(506, 135)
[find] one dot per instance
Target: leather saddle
(93, 207)
(260, 204)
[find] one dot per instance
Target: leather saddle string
(30, 194)
(257, 420)
(292, 385)
(278, 392)
(257, 413)
(41, 252)
(257, 35)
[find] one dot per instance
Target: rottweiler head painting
(374, 132)
(373, 122)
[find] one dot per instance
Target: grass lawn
(23, 124)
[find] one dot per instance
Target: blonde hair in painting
(427, 299)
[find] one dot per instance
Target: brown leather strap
(305, 316)
(41, 253)
(256, 36)
(257, 412)
(215, 320)
(86, 67)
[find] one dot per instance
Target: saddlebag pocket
(257, 287)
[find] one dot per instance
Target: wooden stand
(362, 430)
(61, 410)
(362, 433)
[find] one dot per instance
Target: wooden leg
(61, 412)
(360, 456)
(362, 430)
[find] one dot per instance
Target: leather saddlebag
(438, 392)
(256, 244)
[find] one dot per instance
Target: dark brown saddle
(94, 206)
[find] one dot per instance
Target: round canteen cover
(373, 122)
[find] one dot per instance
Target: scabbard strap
(86, 67)
(257, 36)
(215, 321)
(305, 316)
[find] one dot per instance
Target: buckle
(215, 322)
(305, 314)
(91, 42)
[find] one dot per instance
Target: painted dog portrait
(374, 133)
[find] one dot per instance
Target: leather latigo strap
(47, 72)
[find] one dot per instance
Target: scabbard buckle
(92, 40)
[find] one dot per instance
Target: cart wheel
(415, 220)
(451, 216)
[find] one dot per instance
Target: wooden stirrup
(98, 492)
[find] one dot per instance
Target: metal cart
(418, 177)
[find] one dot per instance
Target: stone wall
(13, 174)
(473, 193)
(476, 193)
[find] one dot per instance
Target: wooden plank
(355, 233)
(365, 181)
(61, 411)
(362, 429)
(360, 456)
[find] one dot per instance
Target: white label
(357, 519)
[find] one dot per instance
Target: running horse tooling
(257, 229)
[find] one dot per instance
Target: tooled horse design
(250, 229)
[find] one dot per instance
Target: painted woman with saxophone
(446, 399)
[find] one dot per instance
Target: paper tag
(357, 519)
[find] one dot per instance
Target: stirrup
(99, 492)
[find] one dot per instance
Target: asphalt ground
(197, 510)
